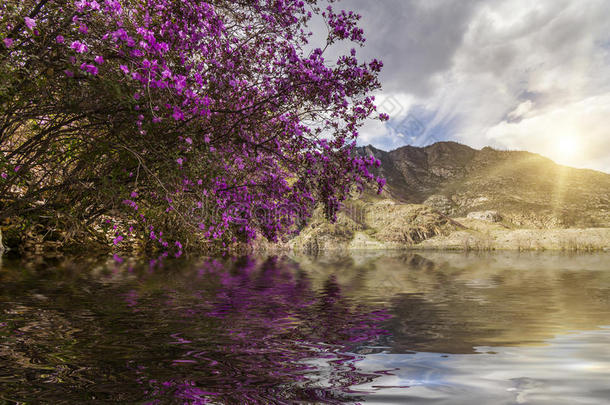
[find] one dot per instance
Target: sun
(567, 147)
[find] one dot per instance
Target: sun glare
(567, 148)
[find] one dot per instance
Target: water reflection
(453, 303)
(243, 331)
(569, 369)
(373, 327)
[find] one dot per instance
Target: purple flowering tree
(182, 121)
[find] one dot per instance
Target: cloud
(416, 39)
(575, 134)
(500, 72)
(521, 110)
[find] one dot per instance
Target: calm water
(379, 328)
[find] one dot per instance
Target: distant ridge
(527, 188)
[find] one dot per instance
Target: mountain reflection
(454, 303)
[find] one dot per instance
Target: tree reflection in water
(274, 339)
(235, 332)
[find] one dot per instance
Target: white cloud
(521, 110)
(576, 134)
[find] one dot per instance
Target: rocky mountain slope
(528, 190)
(449, 195)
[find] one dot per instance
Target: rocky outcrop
(567, 240)
(375, 225)
(407, 224)
(386, 225)
(441, 203)
(489, 216)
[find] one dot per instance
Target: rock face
(374, 225)
(441, 203)
(489, 216)
(527, 189)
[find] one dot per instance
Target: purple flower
(117, 240)
(180, 161)
(89, 68)
(30, 22)
(92, 4)
(99, 60)
(3, 175)
(180, 83)
(79, 47)
(178, 114)
(59, 39)
(69, 73)
(189, 141)
(8, 42)
(124, 68)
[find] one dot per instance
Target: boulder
(489, 216)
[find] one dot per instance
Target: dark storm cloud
(415, 39)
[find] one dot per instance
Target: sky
(512, 74)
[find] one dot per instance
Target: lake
(372, 327)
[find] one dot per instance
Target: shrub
(182, 121)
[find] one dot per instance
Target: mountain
(450, 196)
(528, 190)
